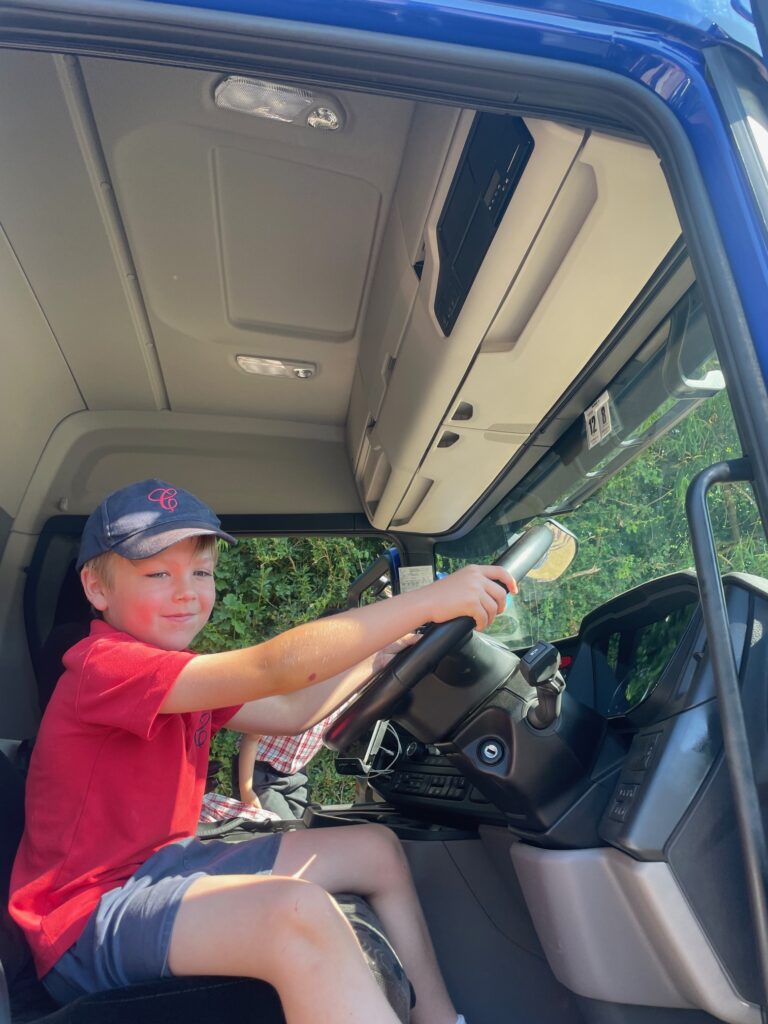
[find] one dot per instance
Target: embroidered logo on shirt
(166, 497)
(201, 732)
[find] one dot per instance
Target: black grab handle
(746, 801)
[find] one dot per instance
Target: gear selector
(540, 668)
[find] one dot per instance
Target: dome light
(270, 367)
(275, 101)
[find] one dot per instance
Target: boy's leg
(368, 860)
(288, 932)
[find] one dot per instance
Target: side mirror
(383, 573)
(559, 555)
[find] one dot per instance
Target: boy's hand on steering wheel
(478, 591)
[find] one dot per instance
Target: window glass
(624, 498)
(266, 585)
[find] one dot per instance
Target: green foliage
(266, 585)
(325, 786)
(635, 529)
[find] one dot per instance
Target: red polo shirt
(110, 782)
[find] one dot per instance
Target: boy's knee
(382, 835)
(385, 847)
(303, 910)
(305, 928)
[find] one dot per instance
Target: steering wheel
(391, 685)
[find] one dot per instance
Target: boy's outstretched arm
(319, 650)
(288, 714)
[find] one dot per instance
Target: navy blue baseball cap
(142, 519)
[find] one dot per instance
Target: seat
(187, 1000)
(71, 622)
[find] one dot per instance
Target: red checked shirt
(111, 781)
(289, 754)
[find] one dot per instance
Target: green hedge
(266, 585)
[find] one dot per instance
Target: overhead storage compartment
(586, 225)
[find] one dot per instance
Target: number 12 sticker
(598, 420)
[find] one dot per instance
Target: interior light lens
(275, 101)
(324, 118)
(269, 367)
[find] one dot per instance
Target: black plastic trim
(6, 522)
(274, 524)
(735, 740)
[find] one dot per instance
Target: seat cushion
(171, 1001)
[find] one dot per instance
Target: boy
(108, 884)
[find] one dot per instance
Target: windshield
(623, 495)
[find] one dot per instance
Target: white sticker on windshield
(414, 576)
(598, 420)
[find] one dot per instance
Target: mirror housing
(387, 565)
(559, 556)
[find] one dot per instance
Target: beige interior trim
(237, 465)
(78, 104)
(584, 231)
(148, 238)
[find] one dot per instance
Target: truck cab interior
(335, 287)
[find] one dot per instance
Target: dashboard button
(619, 810)
(411, 783)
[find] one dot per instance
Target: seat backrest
(13, 949)
(48, 666)
(71, 622)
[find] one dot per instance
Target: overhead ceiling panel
(53, 204)
(249, 236)
(295, 243)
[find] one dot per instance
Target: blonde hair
(101, 565)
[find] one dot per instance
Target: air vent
(448, 439)
(464, 411)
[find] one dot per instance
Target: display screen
(638, 657)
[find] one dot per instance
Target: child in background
(270, 769)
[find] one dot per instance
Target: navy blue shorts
(127, 936)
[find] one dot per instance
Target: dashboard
(631, 779)
(625, 664)
(627, 646)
